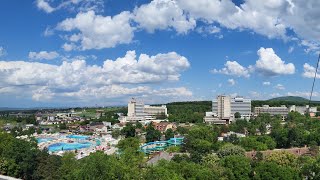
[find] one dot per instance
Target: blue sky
(87, 53)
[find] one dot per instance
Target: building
(164, 126)
(242, 106)
(303, 109)
(137, 111)
(225, 107)
(282, 111)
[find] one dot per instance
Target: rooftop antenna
(314, 79)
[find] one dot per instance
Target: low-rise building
(164, 126)
(303, 109)
(282, 111)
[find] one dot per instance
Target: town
(233, 123)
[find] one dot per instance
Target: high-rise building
(224, 108)
(222, 105)
(135, 108)
(137, 111)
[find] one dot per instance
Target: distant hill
(290, 98)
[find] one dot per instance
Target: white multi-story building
(137, 111)
(282, 110)
(242, 106)
(225, 107)
(302, 109)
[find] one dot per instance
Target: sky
(59, 53)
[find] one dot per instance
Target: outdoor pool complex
(68, 146)
(80, 143)
(40, 140)
(79, 137)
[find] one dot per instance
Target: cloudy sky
(95, 52)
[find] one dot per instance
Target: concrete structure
(224, 108)
(282, 110)
(137, 111)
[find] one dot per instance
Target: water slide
(155, 146)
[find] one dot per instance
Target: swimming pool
(68, 146)
(40, 140)
(80, 137)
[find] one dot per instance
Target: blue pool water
(80, 137)
(40, 140)
(68, 146)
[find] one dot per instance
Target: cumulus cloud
(43, 55)
(270, 64)
(163, 14)
(280, 87)
(233, 68)
(309, 71)
(232, 82)
(91, 31)
(269, 18)
(266, 83)
(113, 79)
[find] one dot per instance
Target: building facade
(282, 110)
(137, 111)
(224, 107)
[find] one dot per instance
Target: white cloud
(290, 50)
(232, 82)
(270, 64)
(43, 55)
(69, 46)
(3, 52)
(162, 15)
(266, 83)
(71, 5)
(96, 31)
(280, 87)
(227, 14)
(255, 95)
(45, 82)
(309, 71)
(173, 92)
(48, 32)
(233, 68)
(208, 29)
(303, 94)
(45, 6)
(42, 94)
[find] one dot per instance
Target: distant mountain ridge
(290, 98)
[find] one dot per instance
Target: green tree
(169, 134)
(270, 170)
(230, 150)
(237, 115)
(129, 130)
(152, 134)
(238, 167)
(127, 143)
(283, 158)
(116, 133)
